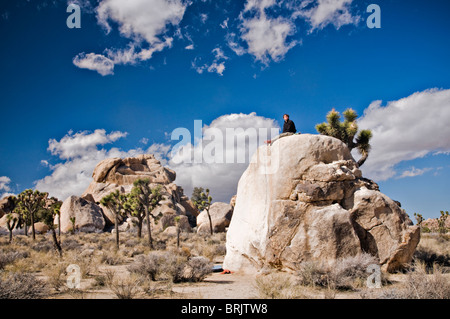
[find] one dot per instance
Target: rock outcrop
(6, 206)
(304, 199)
(220, 213)
(115, 174)
(88, 216)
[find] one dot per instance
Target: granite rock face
(304, 199)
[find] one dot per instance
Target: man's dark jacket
(289, 127)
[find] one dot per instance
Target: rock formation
(304, 199)
(220, 213)
(119, 174)
(88, 215)
(6, 206)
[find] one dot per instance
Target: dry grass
(347, 274)
(420, 283)
(278, 285)
(22, 286)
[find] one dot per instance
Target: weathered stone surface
(221, 214)
(309, 202)
(6, 206)
(88, 216)
(115, 174)
(39, 228)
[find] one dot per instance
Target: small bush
(125, 288)
(173, 266)
(277, 286)
(149, 265)
(421, 285)
(22, 286)
(346, 273)
(10, 257)
(112, 258)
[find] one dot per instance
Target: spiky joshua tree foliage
(148, 198)
(347, 132)
(50, 210)
(202, 201)
(114, 201)
(29, 203)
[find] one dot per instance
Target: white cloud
(141, 19)
(406, 129)
(144, 22)
(265, 36)
(5, 187)
(220, 178)
(217, 66)
(326, 12)
(413, 172)
(79, 154)
(94, 62)
(189, 47)
(4, 183)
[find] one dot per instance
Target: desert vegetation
(34, 269)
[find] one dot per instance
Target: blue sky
(210, 59)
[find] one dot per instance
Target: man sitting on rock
(288, 129)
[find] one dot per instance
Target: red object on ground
(226, 272)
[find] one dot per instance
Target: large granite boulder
(220, 213)
(6, 206)
(304, 199)
(119, 174)
(88, 216)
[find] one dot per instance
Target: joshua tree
(11, 222)
(203, 202)
(347, 131)
(72, 221)
(48, 214)
(149, 198)
(114, 202)
(419, 219)
(196, 194)
(134, 207)
(177, 222)
(29, 202)
(441, 222)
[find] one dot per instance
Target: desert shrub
(171, 265)
(277, 286)
(55, 274)
(196, 269)
(22, 286)
(10, 257)
(71, 244)
(421, 285)
(312, 274)
(346, 273)
(149, 265)
(124, 288)
(112, 258)
(43, 246)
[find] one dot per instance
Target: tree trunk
(33, 232)
(10, 235)
(362, 160)
(139, 230)
(59, 227)
(56, 243)
(149, 228)
(26, 227)
(210, 221)
(178, 235)
(116, 227)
